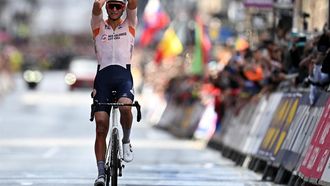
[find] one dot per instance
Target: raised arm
(132, 12)
(97, 16)
(97, 7)
(132, 4)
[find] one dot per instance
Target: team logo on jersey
(104, 37)
(118, 36)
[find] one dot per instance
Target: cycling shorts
(112, 78)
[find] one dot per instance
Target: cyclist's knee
(101, 118)
(101, 127)
(101, 130)
(100, 121)
(125, 110)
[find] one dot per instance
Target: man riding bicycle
(114, 43)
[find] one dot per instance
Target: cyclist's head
(115, 8)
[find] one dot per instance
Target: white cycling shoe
(127, 152)
(100, 181)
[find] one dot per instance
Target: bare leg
(102, 128)
(126, 118)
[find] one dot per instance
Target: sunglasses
(112, 6)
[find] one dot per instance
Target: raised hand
(97, 7)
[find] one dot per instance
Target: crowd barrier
(315, 165)
(280, 135)
(181, 120)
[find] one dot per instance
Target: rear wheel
(114, 157)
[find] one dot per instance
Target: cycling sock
(100, 167)
(127, 133)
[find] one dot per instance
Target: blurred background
(196, 58)
(195, 37)
(185, 50)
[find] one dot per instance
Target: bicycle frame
(115, 126)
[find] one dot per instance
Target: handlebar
(135, 104)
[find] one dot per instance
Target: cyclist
(114, 43)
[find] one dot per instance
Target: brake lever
(138, 108)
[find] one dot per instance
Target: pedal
(120, 168)
(120, 172)
(106, 166)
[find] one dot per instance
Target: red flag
(155, 19)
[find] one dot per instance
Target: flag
(169, 46)
(202, 48)
(155, 19)
(197, 63)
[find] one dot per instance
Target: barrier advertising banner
(300, 132)
(262, 121)
(325, 179)
(258, 113)
(279, 126)
(317, 155)
(239, 125)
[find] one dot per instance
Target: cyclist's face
(115, 10)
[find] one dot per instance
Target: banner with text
(279, 126)
(318, 152)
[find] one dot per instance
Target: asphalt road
(47, 139)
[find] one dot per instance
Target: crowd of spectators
(301, 63)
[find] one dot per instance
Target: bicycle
(113, 163)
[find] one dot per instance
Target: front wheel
(107, 173)
(114, 157)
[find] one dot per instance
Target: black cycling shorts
(112, 78)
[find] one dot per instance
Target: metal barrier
(281, 136)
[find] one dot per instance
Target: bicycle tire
(107, 173)
(114, 157)
(107, 166)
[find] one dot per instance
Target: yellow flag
(170, 45)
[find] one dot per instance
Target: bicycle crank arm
(120, 173)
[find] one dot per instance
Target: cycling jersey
(114, 47)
